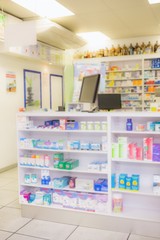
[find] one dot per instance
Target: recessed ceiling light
(45, 8)
(153, 1)
(93, 36)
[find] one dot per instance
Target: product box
(113, 180)
(129, 183)
(48, 123)
(122, 180)
(61, 163)
(73, 163)
(84, 184)
(47, 199)
(62, 124)
(84, 146)
(123, 147)
(61, 182)
(101, 185)
(101, 203)
(135, 182)
(69, 199)
(94, 166)
(148, 148)
(131, 150)
(72, 125)
(57, 197)
(95, 146)
(156, 184)
(115, 151)
(82, 200)
(55, 123)
(156, 152)
(91, 202)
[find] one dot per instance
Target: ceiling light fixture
(153, 1)
(45, 8)
(91, 37)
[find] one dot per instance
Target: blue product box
(47, 199)
(55, 123)
(95, 146)
(85, 146)
(113, 180)
(31, 198)
(72, 125)
(135, 182)
(48, 123)
(101, 185)
(156, 152)
(122, 180)
(76, 145)
(128, 183)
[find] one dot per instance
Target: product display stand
(91, 169)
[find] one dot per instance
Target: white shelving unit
(133, 76)
(142, 206)
(143, 201)
(31, 128)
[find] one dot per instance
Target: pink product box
(148, 148)
(134, 151)
(156, 152)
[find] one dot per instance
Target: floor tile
(47, 230)
(12, 186)
(11, 220)
(7, 196)
(22, 237)
(14, 204)
(96, 234)
(4, 235)
(5, 181)
(11, 174)
(138, 237)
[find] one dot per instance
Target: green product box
(57, 157)
(72, 163)
(61, 164)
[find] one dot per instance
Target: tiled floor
(14, 227)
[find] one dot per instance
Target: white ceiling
(118, 19)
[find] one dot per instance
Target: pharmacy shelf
(136, 161)
(136, 132)
(60, 131)
(116, 122)
(75, 170)
(143, 193)
(38, 185)
(124, 70)
(64, 151)
(124, 79)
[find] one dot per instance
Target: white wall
(10, 102)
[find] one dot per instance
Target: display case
(102, 168)
(63, 161)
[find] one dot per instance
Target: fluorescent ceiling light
(153, 1)
(45, 8)
(89, 37)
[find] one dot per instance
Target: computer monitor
(109, 101)
(89, 89)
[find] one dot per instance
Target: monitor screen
(109, 101)
(89, 88)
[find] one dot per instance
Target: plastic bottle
(129, 125)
